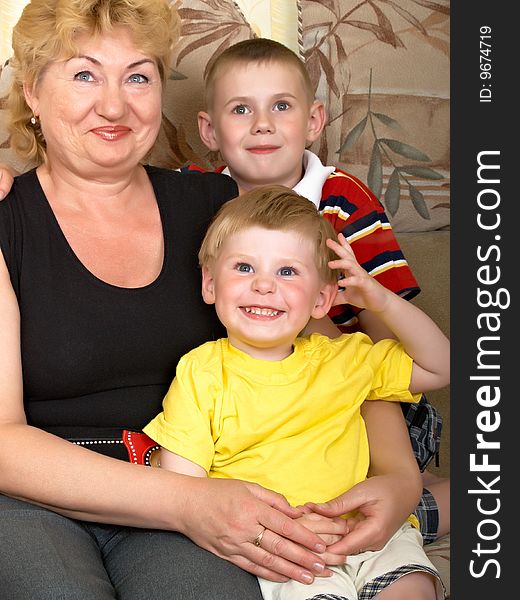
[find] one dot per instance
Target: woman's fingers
(279, 556)
(287, 528)
(283, 551)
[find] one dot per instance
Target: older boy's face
(265, 286)
(261, 121)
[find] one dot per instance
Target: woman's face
(100, 109)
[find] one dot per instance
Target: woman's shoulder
(193, 181)
(22, 192)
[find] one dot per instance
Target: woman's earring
(33, 120)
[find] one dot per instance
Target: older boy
(267, 406)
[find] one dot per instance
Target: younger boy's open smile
(259, 312)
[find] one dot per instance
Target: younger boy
(267, 406)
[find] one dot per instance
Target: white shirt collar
(311, 184)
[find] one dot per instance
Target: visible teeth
(264, 312)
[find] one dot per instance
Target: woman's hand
(384, 503)
(226, 516)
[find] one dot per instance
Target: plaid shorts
(364, 575)
(380, 583)
(427, 513)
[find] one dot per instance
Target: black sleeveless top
(97, 357)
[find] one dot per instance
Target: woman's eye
(83, 76)
(244, 268)
(282, 105)
(286, 271)
(137, 78)
(241, 110)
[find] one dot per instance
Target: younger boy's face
(261, 120)
(265, 286)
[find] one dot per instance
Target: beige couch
(390, 65)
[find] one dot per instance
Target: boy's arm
(420, 336)
(422, 340)
(372, 325)
(179, 464)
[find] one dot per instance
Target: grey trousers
(45, 556)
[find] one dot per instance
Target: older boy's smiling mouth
(263, 149)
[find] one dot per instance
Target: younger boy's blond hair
(255, 51)
(277, 208)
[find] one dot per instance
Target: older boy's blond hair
(255, 51)
(47, 31)
(277, 208)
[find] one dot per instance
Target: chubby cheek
(230, 136)
(302, 301)
(64, 121)
(149, 115)
(230, 293)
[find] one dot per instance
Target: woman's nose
(111, 104)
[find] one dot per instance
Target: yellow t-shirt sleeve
(185, 424)
(392, 369)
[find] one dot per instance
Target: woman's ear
(208, 286)
(31, 98)
(324, 300)
(206, 130)
(317, 121)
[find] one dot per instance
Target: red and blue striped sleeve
(354, 211)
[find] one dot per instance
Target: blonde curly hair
(47, 30)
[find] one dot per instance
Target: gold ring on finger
(258, 539)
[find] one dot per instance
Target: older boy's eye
(83, 76)
(286, 271)
(282, 105)
(244, 268)
(241, 109)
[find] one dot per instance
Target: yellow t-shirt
(293, 426)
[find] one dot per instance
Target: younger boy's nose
(264, 284)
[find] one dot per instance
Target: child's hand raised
(357, 287)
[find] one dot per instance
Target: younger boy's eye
(83, 76)
(241, 109)
(244, 268)
(282, 105)
(286, 271)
